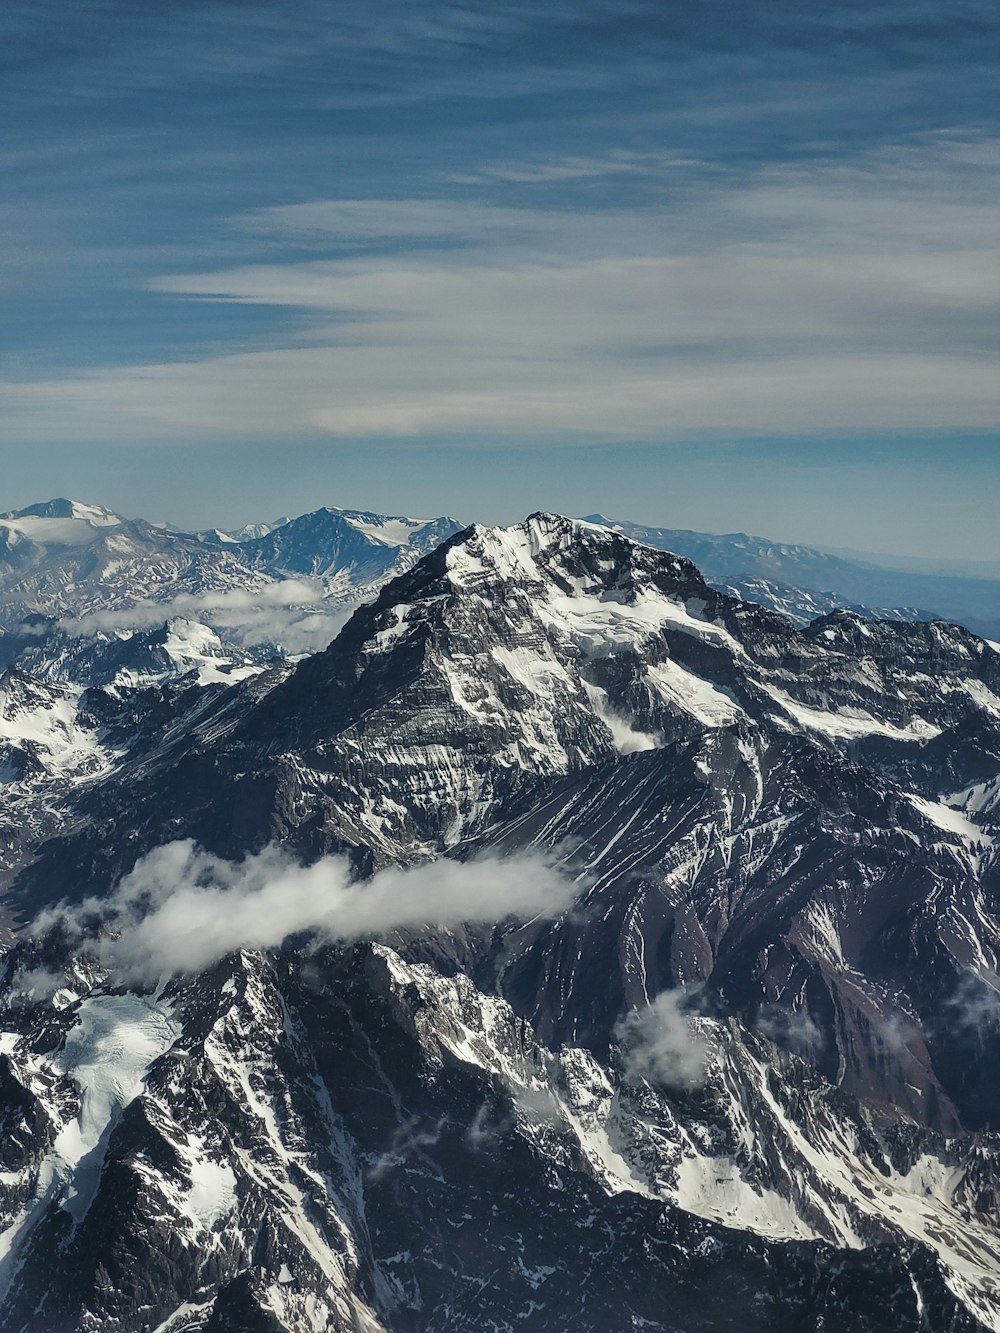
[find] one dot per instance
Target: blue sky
(717, 266)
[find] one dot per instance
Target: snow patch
(951, 820)
(706, 702)
(981, 695)
(713, 1188)
(107, 1056)
(850, 723)
(37, 716)
(390, 531)
(192, 645)
(50, 531)
(977, 799)
(213, 1188)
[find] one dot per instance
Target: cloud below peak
(181, 909)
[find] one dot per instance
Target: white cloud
(36, 984)
(852, 295)
(290, 613)
(662, 1044)
(409, 1139)
(975, 1002)
(791, 1030)
(380, 220)
(181, 909)
(235, 604)
(562, 170)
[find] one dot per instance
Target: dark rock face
(749, 1080)
(332, 1143)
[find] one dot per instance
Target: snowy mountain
(346, 548)
(79, 582)
(568, 945)
(219, 536)
(64, 557)
(803, 582)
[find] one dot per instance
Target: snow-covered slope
(804, 583)
(747, 1081)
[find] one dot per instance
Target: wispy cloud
(233, 605)
(567, 169)
(663, 1045)
(850, 295)
(292, 614)
(181, 909)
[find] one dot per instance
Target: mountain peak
(575, 552)
(96, 515)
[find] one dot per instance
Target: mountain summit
(746, 1078)
(96, 515)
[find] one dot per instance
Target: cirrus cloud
(850, 295)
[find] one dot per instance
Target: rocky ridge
(763, 1043)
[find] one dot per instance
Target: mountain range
(568, 944)
(805, 582)
(78, 581)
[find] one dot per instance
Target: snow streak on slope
(946, 817)
(759, 1045)
(105, 1056)
(215, 1159)
(706, 702)
(116, 1039)
(851, 723)
(841, 1184)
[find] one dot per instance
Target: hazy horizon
(903, 561)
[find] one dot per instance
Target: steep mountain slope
(351, 1142)
(750, 1079)
(804, 582)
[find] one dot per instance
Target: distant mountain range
(71, 558)
(805, 582)
(82, 588)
